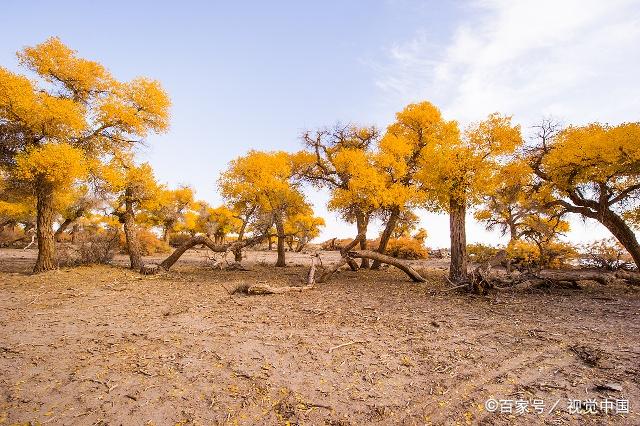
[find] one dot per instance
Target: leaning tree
(592, 171)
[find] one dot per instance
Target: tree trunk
(44, 228)
(133, 245)
(2, 226)
(74, 233)
(362, 223)
(281, 240)
(623, 234)
(165, 233)
(386, 234)
(458, 268)
(200, 240)
(238, 253)
(63, 227)
(270, 243)
(383, 258)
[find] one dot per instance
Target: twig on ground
(354, 342)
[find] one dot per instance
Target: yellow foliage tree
(73, 204)
(593, 171)
(218, 222)
(75, 112)
(341, 160)
(168, 208)
(268, 181)
(459, 171)
(134, 188)
(407, 148)
(301, 228)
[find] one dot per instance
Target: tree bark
(133, 245)
(281, 240)
(383, 258)
(200, 240)
(386, 234)
(44, 228)
(344, 258)
(362, 223)
(458, 267)
(63, 227)
(4, 224)
(74, 233)
(238, 253)
(623, 234)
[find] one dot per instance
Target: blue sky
(254, 74)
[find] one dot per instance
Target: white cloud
(575, 60)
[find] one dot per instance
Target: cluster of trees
(68, 136)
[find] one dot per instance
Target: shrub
(176, 240)
(406, 248)
(560, 255)
(479, 253)
(606, 254)
(149, 243)
(526, 255)
(97, 248)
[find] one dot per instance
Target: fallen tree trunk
(348, 254)
(484, 277)
(629, 277)
(564, 277)
(383, 258)
(195, 241)
(263, 289)
(344, 259)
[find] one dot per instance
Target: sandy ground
(103, 345)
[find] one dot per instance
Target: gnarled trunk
(362, 223)
(458, 268)
(281, 240)
(44, 228)
(166, 231)
(133, 245)
(386, 234)
(63, 227)
(238, 253)
(623, 234)
(74, 233)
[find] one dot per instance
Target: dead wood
(383, 258)
(353, 342)
(263, 289)
(485, 277)
(200, 240)
(590, 356)
(311, 277)
(348, 254)
(566, 278)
